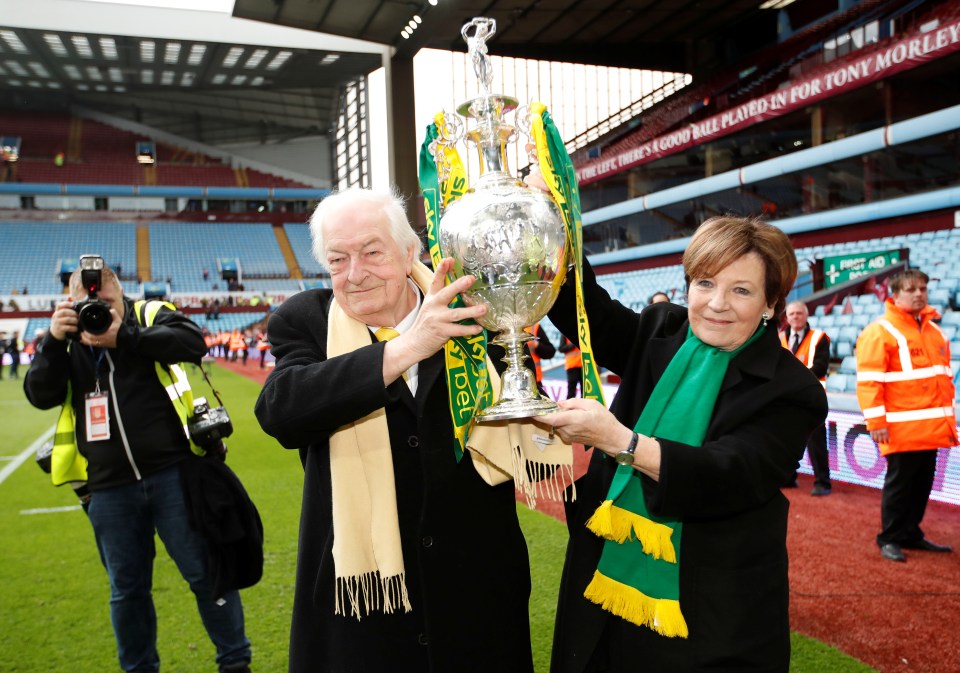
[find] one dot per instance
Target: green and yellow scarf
(638, 577)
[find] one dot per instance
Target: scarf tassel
(371, 592)
(542, 480)
(660, 614)
(620, 525)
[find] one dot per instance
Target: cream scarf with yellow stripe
(368, 562)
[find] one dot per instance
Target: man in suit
(408, 560)
(812, 348)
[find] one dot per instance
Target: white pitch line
(51, 510)
(24, 455)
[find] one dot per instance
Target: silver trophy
(510, 237)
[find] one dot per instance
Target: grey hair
(386, 201)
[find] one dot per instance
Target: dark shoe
(892, 552)
(821, 490)
(927, 545)
(236, 668)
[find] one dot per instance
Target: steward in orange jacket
(906, 393)
(237, 344)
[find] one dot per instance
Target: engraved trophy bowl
(512, 239)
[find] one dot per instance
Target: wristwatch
(625, 457)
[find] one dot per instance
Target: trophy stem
(519, 395)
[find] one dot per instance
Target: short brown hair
(721, 240)
(898, 280)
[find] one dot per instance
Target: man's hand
(63, 321)
(881, 435)
(436, 324)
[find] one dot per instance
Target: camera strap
(206, 378)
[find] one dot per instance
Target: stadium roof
(202, 75)
(218, 79)
(674, 35)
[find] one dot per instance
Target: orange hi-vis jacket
(904, 382)
(236, 341)
(262, 343)
(807, 348)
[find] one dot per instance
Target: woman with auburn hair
(677, 559)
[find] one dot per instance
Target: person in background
(677, 559)
(573, 364)
(442, 582)
(263, 345)
(121, 436)
(658, 297)
(13, 350)
(812, 348)
(540, 349)
(906, 393)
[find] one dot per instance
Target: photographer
(122, 432)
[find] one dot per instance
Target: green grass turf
(54, 614)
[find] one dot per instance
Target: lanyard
(96, 366)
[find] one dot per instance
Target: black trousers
(906, 490)
(574, 378)
(819, 458)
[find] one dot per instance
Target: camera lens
(95, 318)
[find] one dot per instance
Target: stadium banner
(841, 268)
(853, 455)
(855, 458)
(841, 76)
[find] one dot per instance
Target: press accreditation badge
(98, 417)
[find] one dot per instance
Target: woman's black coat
(464, 554)
(733, 558)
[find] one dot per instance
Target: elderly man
(812, 348)
(408, 560)
(906, 393)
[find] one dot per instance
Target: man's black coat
(733, 556)
(464, 554)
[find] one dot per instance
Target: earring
(766, 318)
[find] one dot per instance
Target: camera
(93, 314)
(208, 427)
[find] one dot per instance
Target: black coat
(464, 554)
(733, 558)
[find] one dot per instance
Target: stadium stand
(41, 246)
(299, 235)
(181, 250)
(95, 153)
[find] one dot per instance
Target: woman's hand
(590, 423)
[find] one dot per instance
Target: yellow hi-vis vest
(66, 463)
